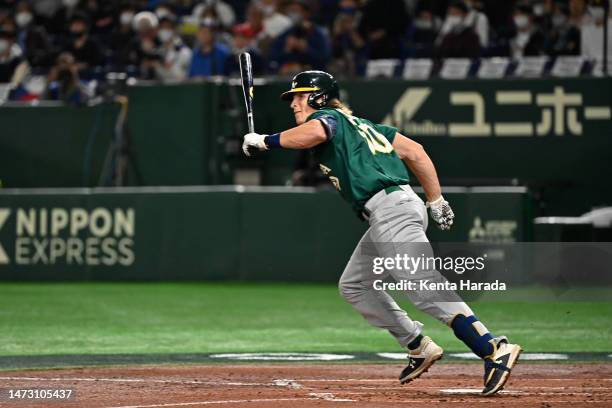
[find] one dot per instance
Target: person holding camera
(63, 81)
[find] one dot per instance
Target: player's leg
(381, 310)
(377, 307)
(398, 227)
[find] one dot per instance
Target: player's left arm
(419, 162)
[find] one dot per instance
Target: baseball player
(366, 163)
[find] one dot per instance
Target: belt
(387, 190)
(391, 189)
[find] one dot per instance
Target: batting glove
(441, 213)
(253, 141)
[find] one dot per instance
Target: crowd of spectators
(73, 41)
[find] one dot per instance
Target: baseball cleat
(499, 367)
(420, 359)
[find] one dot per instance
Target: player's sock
(414, 344)
(474, 334)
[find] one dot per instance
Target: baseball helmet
(322, 85)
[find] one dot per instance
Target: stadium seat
(5, 89)
(455, 68)
(417, 68)
(598, 67)
(568, 66)
(531, 67)
(495, 67)
(381, 68)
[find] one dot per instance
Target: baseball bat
(246, 73)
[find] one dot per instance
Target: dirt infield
(316, 385)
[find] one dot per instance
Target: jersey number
(376, 141)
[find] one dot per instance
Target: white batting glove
(441, 213)
(253, 141)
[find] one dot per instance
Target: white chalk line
(183, 404)
(138, 380)
(283, 382)
(328, 396)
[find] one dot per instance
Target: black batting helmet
(322, 85)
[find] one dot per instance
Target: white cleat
(498, 368)
(420, 359)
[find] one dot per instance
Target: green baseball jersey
(359, 158)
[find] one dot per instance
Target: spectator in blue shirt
(209, 56)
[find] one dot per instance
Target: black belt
(388, 190)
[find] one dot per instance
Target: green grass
(173, 318)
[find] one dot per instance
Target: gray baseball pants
(398, 221)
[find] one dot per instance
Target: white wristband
(435, 202)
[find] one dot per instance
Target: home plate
(473, 391)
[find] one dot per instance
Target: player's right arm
(304, 136)
(419, 162)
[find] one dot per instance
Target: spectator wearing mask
(86, 51)
(274, 22)
(592, 41)
(303, 46)
(528, 40)
(209, 57)
(32, 38)
(349, 52)
(164, 10)
(222, 34)
(460, 40)
(382, 26)
(223, 12)
(11, 55)
(563, 38)
(175, 56)
(122, 38)
(64, 83)
(422, 34)
(478, 21)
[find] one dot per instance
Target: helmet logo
(294, 84)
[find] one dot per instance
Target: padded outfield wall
(212, 233)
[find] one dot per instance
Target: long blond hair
(337, 104)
